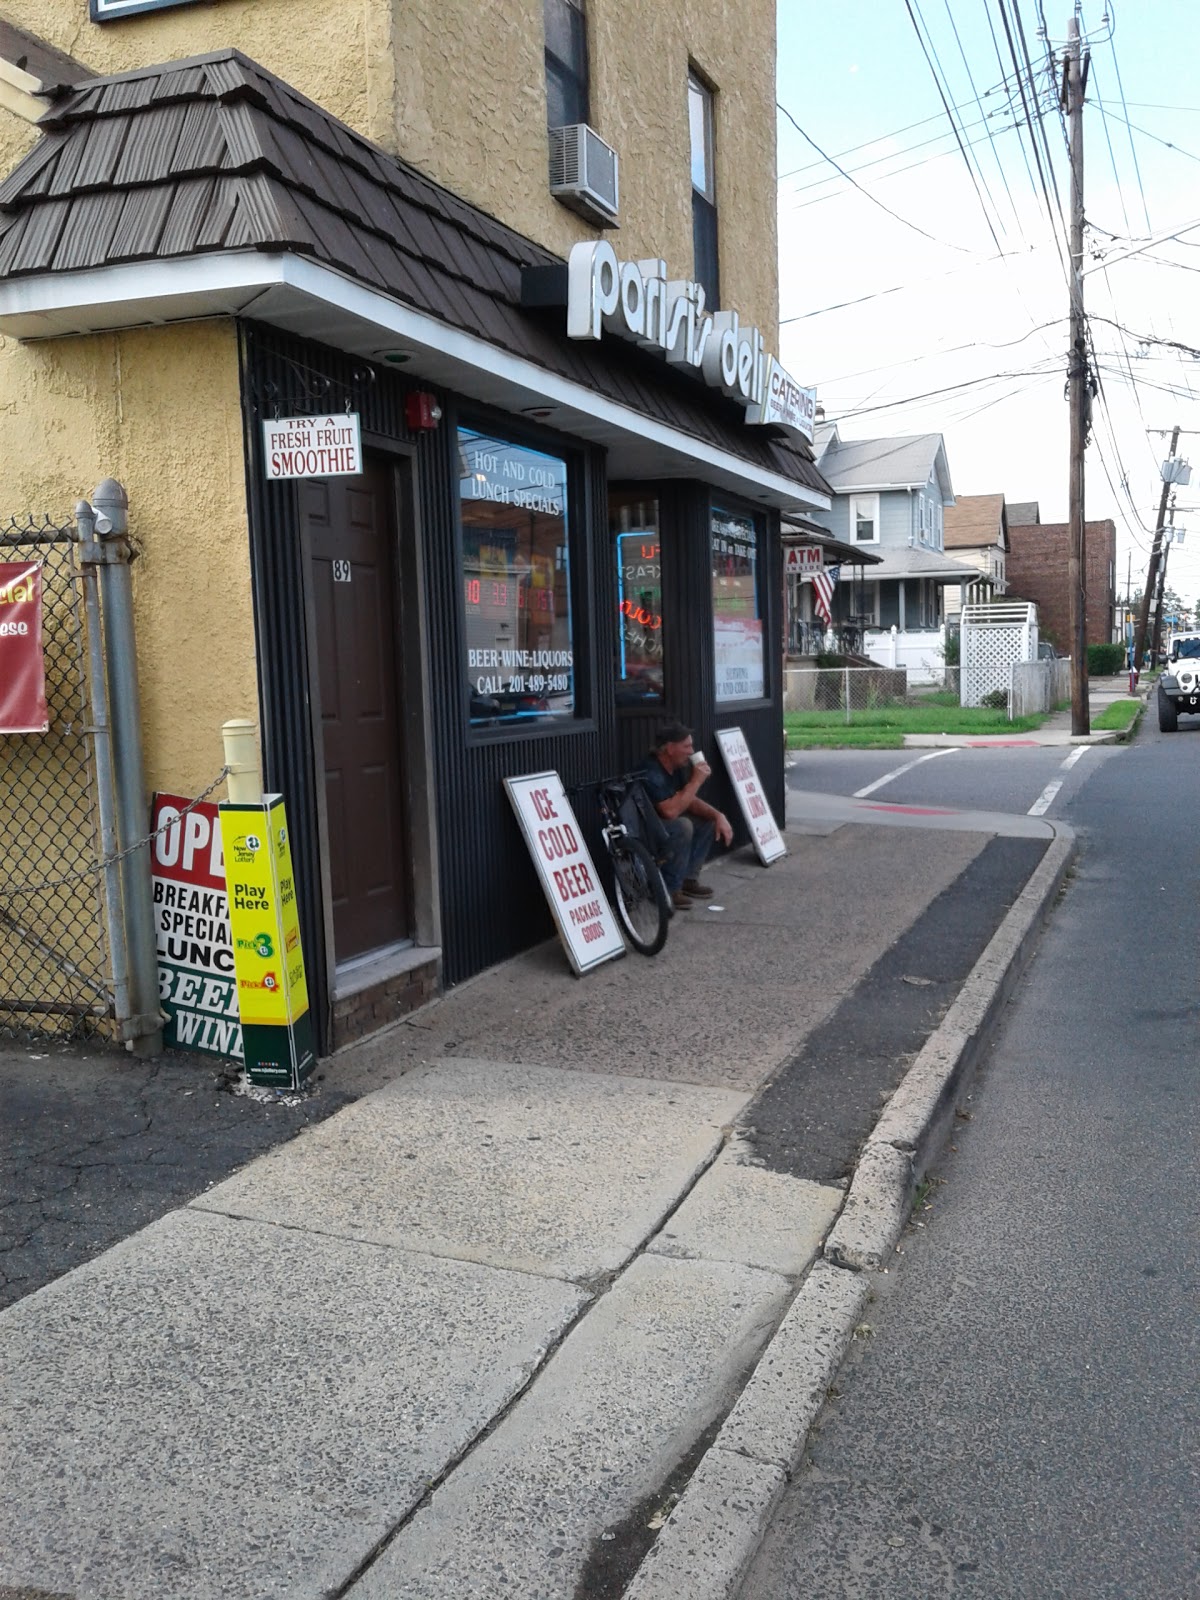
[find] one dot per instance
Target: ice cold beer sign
(636, 300)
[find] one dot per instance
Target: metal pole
(846, 690)
(1155, 555)
(1156, 637)
(1077, 373)
(144, 1027)
(118, 952)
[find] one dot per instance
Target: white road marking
(1074, 757)
(1042, 803)
(861, 794)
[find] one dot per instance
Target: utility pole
(1077, 378)
(1155, 557)
(1156, 637)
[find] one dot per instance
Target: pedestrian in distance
(673, 775)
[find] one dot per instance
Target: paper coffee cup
(698, 758)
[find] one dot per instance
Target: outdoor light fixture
(421, 410)
(394, 358)
(539, 412)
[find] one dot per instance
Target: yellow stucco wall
(458, 88)
(75, 411)
(491, 146)
(335, 51)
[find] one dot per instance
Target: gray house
(889, 497)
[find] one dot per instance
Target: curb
(708, 1542)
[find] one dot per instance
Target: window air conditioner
(583, 173)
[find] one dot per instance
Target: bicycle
(642, 906)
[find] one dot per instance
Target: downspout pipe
(143, 1028)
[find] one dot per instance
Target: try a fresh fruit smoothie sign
(197, 987)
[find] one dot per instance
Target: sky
(933, 297)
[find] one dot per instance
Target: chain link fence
(845, 693)
(54, 969)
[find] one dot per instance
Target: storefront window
(737, 613)
(639, 667)
(520, 660)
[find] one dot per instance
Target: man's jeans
(689, 840)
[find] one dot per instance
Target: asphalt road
(1005, 778)
(1021, 1415)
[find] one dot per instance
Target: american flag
(823, 586)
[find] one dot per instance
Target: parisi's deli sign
(636, 300)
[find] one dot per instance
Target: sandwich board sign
(768, 840)
(565, 869)
(268, 961)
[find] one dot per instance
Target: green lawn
(1118, 715)
(884, 728)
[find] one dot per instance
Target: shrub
(995, 700)
(952, 648)
(1105, 659)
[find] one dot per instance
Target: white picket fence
(921, 652)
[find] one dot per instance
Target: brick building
(1038, 561)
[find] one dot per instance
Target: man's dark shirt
(659, 783)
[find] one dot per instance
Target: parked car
(1179, 686)
(1046, 651)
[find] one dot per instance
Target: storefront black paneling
(689, 691)
(491, 906)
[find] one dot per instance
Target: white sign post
(581, 911)
(768, 840)
(313, 447)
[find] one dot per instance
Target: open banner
(23, 706)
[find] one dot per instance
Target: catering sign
(313, 447)
(802, 560)
(768, 841)
(197, 989)
(23, 706)
(565, 868)
(636, 300)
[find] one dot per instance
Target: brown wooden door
(350, 527)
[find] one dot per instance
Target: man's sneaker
(697, 890)
(681, 901)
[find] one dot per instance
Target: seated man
(672, 779)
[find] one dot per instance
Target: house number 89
(341, 572)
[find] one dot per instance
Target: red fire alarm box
(421, 410)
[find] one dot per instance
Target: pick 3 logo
(262, 945)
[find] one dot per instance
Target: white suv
(1179, 686)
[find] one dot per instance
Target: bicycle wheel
(641, 895)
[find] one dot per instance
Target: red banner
(22, 670)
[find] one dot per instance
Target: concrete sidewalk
(549, 1313)
(1055, 730)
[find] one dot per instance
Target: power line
(897, 288)
(912, 17)
(892, 155)
(1132, 148)
(944, 242)
(1146, 134)
(1033, 141)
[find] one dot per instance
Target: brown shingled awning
(210, 187)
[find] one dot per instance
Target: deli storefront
(566, 526)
